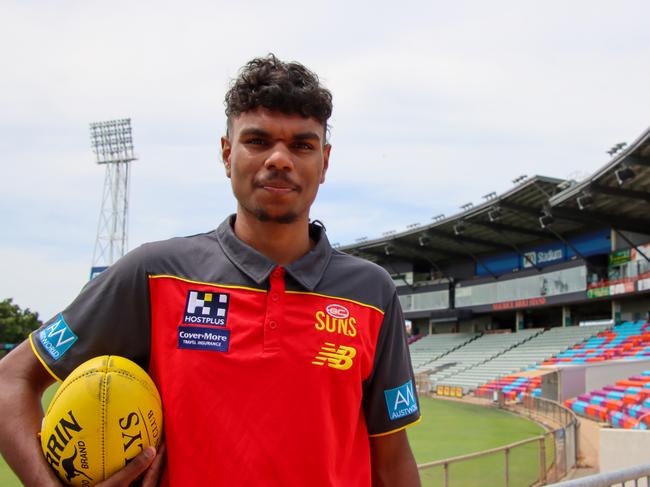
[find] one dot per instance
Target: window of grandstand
(537, 286)
(425, 301)
(402, 278)
(416, 278)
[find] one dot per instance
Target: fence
(535, 461)
(638, 476)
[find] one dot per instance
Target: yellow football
(101, 417)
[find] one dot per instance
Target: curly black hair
(289, 88)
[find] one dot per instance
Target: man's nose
(279, 158)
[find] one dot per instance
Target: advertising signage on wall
(594, 243)
(544, 257)
(95, 271)
(598, 292)
(628, 272)
(613, 288)
(622, 286)
(619, 257)
(518, 303)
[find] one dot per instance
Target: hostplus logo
(204, 308)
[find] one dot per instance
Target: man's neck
(283, 243)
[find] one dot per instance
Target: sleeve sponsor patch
(57, 337)
(401, 401)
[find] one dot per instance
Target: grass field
(447, 429)
(451, 428)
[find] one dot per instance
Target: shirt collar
(307, 270)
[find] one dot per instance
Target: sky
(435, 104)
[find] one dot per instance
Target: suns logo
(336, 319)
(337, 311)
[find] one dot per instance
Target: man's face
(275, 163)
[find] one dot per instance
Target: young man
(302, 374)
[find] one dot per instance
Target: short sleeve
(390, 400)
(110, 316)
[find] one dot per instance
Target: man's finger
(153, 475)
(132, 471)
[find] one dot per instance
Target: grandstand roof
(536, 209)
(504, 223)
(616, 195)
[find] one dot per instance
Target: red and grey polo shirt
(268, 375)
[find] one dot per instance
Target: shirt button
(273, 325)
(277, 272)
(275, 297)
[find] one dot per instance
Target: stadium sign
(622, 286)
(96, 270)
(598, 292)
(619, 257)
(451, 391)
(543, 257)
(518, 303)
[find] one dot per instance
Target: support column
(613, 236)
(566, 316)
(430, 327)
(616, 312)
(519, 320)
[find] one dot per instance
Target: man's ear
(225, 153)
(326, 161)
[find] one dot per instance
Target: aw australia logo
(205, 308)
(57, 338)
(336, 319)
(337, 357)
(401, 401)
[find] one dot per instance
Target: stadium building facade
(547, 253)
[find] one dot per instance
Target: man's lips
(275, 186)
(277, 189)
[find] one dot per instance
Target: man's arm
(392, 461)
(22, 382)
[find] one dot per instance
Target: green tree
(15, 323)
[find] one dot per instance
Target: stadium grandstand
(541, 291)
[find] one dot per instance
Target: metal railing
(638, 476)
(534, 461)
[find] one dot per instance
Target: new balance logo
(203, 308)
(336, 357)
(57, 338)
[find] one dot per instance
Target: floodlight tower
(113, 145)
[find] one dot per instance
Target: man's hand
(22, 382)
(148, 461)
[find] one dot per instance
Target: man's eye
(255, 141)
(303, 146)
